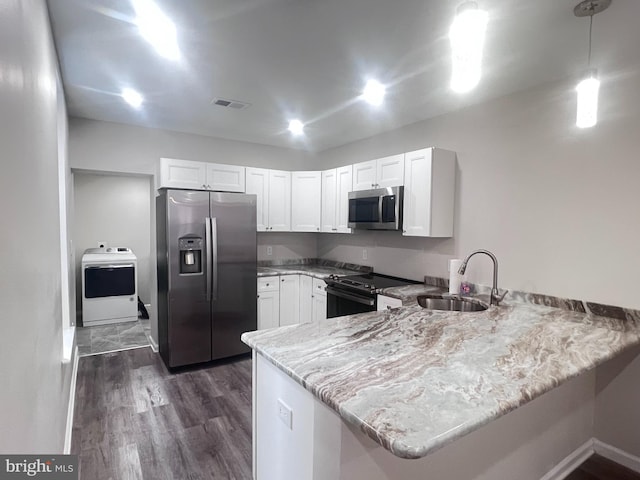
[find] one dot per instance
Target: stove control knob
(366, 285)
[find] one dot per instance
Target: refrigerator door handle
(207, 234)
(214, 257)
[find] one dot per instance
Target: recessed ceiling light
(374, 92)
(132, 97)
(296, 127)
(156, 28)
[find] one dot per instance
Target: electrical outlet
(269, 250)
(285, 414)
(364, 254)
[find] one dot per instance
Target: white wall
(556, 204)
(35, 383)
(115, 209)
(114, 147)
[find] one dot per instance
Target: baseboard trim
(72, 402)
(154, 345)
(617, 455)
(570, 462)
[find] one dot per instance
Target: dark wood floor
(600, 468)
(135, 420)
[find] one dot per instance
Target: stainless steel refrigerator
(207, 255)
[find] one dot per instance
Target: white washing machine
(109, 286)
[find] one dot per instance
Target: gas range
(366, 284)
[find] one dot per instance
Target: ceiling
(310, 58)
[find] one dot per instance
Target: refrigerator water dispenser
(190, 254)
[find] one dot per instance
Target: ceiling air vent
(223, 102)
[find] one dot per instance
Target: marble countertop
(317, 271)
(415, 380)
(409, 293)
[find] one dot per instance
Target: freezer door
(234, 286)
(189, 312)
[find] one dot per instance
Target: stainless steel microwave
(379, 209)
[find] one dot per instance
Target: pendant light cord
(590, 29)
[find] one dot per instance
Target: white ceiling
(310, 58)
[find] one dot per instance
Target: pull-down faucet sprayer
(495, 298)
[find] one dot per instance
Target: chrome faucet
(496, 298)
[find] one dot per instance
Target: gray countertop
(317, 271)
(414, 379)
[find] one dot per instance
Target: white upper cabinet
(279, 201)
(344, 185)
(390, 171)
(364, 175)
(273, 189)
(225, 178)
(429, 193)
(305, 201)
(258, 184)
(380, 173)
(329, 199)
(176, 173)
(336, 185)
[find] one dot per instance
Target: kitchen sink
(450, 304)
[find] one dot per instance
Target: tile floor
(108, 338)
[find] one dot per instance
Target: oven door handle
(348, 296)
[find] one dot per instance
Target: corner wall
(35, 383)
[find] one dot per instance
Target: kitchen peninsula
(359, 396)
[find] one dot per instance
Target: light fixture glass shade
(466, 35)
(296, 127)
(587, 112)
(374, 93)
(156, 28)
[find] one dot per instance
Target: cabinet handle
(373, 184)
(258, 296)
(267, 284)
(282, 280)
(204, 186)
(318, 228)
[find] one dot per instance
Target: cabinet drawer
(268, 284)
(319, 287)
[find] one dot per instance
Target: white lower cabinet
(289, 300)
(387, 303)
(268, 302)
(306, 299)
(319, 300)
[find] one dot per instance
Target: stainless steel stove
(358, 293)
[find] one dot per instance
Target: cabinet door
(306, 299)
(289, 299)
(390, 171)
(305, 201)
(329, 197)
(279, 201)
(386, 303)
(176, 173)
(257, 182)
(319, 300)
(225, 178)
(416, 220)
(343, 187)
(268, 309)
(364, 175)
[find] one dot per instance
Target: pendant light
(466, 35)
(587, 89)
